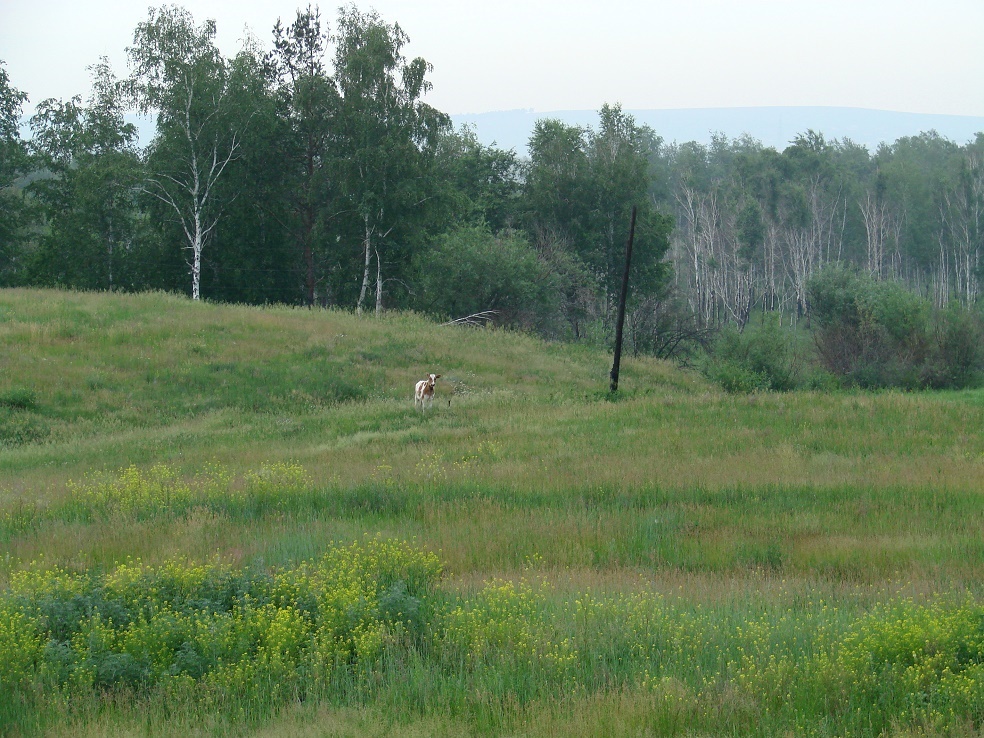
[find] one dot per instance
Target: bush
(760, 358)
(19, 398)
(19, 428)
(471, 270)
(874, 334)
(958, 354)
(924, 661)
(239, 634)
(664, 326)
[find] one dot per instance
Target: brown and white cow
(423, 394)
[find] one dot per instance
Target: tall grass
(370, 624)
(671, 561)
(277, 512)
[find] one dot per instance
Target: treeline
(754, 225)
(311, 171)
(878, 255)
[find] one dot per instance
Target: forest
(309, 170)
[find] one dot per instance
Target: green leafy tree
(13, 165)
(254, 255)
(309, 104)
(178, 72)
(914, 170)
(581, 187)
(88, 202)
(620, 180)
(482, 184)
(556, 180)
(386, 141)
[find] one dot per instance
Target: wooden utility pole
(621, 304)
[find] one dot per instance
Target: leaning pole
(621, 305)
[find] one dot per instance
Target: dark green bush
(470, 270)
(18, 398)
(876, 334)
(20, 428)
(664, 326)
(958, 350)
(760, 358)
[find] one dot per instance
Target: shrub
(923, 661)
(19, 428)
(247, 634)
(470, 270)
(958, 353)
(664, 326)
(877, 334)
(246, 642)
(760, 358)
(19, 398)
(20, 423)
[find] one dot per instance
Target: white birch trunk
(379, 285)
(875, 227)
(367, 251)
(189, 192)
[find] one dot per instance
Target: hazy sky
(549, 55)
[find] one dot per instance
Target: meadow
(225, 520)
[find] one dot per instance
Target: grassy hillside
(240, 445)
(86, 370)
(96, 381)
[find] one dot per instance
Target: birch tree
(717, 239)
(915, 169)
(178, 73)
(809, 214)
(696, 212)
(619, 179)
(582, 184)
(386, 136)
(878, 224)
(962, 211)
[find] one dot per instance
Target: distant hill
(773, 126)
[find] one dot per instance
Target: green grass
(675, 560)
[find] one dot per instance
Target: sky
(555, 55)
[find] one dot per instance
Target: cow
(423, 394)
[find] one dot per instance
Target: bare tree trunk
(367, 251)
(308, 219)
(875, 226)
(110, 241)
(379, 284)
(942, 290)
(962, 212)
(775, 299)
(696, 214)
(196, 263)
